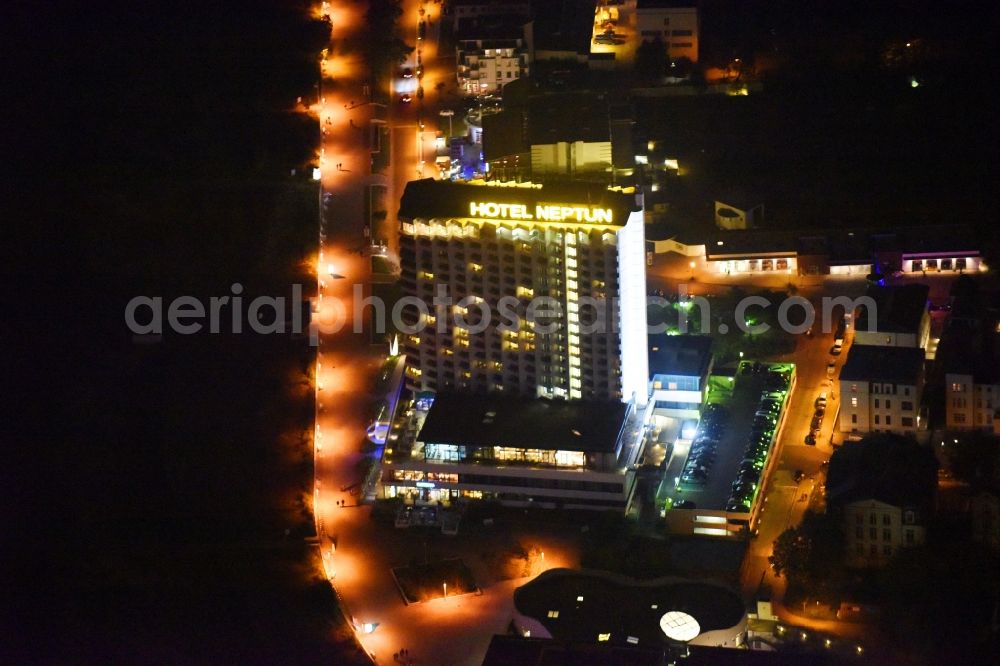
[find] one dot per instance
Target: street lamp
(447, 113)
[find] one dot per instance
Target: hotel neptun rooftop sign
(573, 203)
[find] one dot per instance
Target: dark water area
(150, 487)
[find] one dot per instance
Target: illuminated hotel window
(508, 454)
(451, 452)
(570, 458)
(442, 478)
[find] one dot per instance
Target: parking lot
(722, 467)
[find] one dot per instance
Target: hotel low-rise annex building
(679, 366)
(909, 252)
(515, 450)
(525, 290)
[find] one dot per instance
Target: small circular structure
(679, 626)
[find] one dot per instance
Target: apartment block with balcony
(526, 290)
(489, 55)
(881, 389)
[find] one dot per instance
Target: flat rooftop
(684, 355)
(740, 407)
(511, 650)
(896, 365)
(899, 309)
(565, 25)
(547, 118)
(592, 426)
(429, 198)
(750, 243)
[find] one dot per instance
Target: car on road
(407, 73)
(810, 440)
(838, 346)
(830, 367)
(821, 400)
(684, 504)
(798, 475)
(406, 98)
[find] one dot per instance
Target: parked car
(830, 367)
(406, 98)
(684, 504)
(407, 73)
(838, 346)
(821, 400)
(810, 440)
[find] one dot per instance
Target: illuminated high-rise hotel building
(524, 289)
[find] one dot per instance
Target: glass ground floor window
(411, 493)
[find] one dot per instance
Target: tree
(810, 556)
(651, 61)
(939, 600)
(973, 459)
(790, 557)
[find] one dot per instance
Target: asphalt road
(358, 558)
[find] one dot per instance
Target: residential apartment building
(901, 318)
(477, 259)
(672, 21)
(984, 510)
(970, 360)
(876, 530)
(518, 451)
(489, 56)
(882, 488)
(971, 399)
(881, 389)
